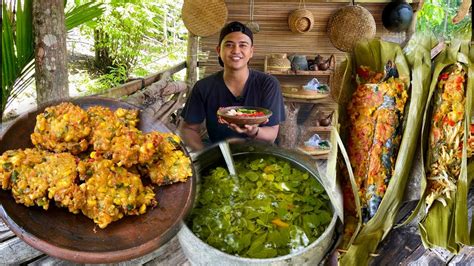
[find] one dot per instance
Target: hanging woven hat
(301, 20)
(362, 26)
(204, 17)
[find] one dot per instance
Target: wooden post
(191, 60)
(288, 133)
(50, 50)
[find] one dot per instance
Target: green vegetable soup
(270, 209)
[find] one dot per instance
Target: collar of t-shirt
(241, 97)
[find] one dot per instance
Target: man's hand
(249, 130)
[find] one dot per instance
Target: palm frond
(18, 45)
(82, 14)
(9, 59)
(24, 32)
(24, 80)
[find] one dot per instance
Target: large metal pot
(200, 253)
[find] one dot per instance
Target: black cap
(233, 27)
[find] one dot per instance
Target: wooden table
(401, 247)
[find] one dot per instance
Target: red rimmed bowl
(244, 120)
(75, 237)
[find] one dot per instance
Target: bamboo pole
(192, 60)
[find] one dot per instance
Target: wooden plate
(65, 235)
(298, 92)
(312, 151)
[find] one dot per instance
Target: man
(236, 85)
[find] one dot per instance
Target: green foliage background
(436, 17)
(138, 37)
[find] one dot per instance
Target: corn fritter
(64, 127)
(103, 182)
(112, 192)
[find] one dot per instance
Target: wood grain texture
(192, 60)
(5, 232)
(15, 251)
(401, 247)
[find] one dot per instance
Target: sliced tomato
(444, 76)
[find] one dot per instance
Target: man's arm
(190, 133)
(268, 133)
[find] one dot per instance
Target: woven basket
(301, 20)
(204, 17)
(298, 92)
(350, 24)
(278, 62)
(312, 150)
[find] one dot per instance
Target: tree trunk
(50, 50)
(102, 56)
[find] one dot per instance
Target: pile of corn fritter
(92, 161)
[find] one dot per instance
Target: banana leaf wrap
(375, 54)
(444, 218)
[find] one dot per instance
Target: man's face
(236, 50)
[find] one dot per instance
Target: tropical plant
(132, 35)
(17, 43)
(17, 48)
(436, 17)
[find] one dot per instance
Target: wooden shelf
(324, 129)
(321, 157)
(292, 83)
(289, 72)
(300, 73)
(325, 100)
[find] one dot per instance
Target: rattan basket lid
(362, 26)
(204, 17)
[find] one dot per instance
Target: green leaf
(83, 13)
(257, 245)
(252, 176)
(24, 32)
(17, 45)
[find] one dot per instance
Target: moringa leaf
(256, 216)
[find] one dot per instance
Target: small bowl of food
(244, 115)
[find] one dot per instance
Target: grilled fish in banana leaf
(444, 207)
(376, 112)
(385, 122)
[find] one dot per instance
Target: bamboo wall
(276, 37)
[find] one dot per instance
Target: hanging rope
(252, 3)
(304, 4)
